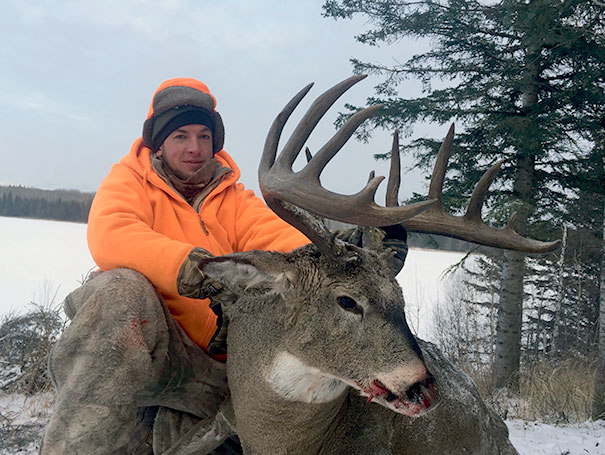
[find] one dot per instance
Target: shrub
(25, 343)
(549, 391)
(559, 392)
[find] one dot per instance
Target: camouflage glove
(395, 238)
(192, 282)
(218, 342)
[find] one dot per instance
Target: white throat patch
(294, 380)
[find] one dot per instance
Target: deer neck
(296, 409)
(282, 405)
(294, 380)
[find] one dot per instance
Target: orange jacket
(137, 221)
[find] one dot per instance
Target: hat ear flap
(147, 132)
(218, 135)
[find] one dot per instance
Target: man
(173, 200)
(137, 370)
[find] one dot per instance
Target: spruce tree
(525, 80)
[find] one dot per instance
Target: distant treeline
(74, 205)
(61, 205)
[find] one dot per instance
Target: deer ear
(242, 275)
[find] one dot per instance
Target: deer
(320, 357)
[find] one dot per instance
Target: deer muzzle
(411, 400)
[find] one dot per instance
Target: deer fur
(302, 368)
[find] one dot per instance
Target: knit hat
(168, 121)
(178, 102)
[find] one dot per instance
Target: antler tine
(312, 171)
(470, 227)
(473, 211)
(272, 141)
(510, 225)
(279, 183)
(308, 154)
(392, 195)
(331, 148)
(310, 120)
(443, 157)
(372, 181)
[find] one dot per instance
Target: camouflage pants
(128, 379)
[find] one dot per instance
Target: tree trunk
(492, 327)
(510, 312)
(508, 324)
(559, 303)
(598, 402)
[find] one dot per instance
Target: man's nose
(193, 145)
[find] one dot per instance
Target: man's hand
(192, 282)
(395, 239)
(218, 342)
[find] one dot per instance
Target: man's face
(186, 149)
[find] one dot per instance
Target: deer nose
(401, 377)
(423, 392)
(410, 389)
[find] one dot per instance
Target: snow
(424, 285)
(534, 438)
(44, 259)
(22, 410)
(22, 420)
(40, 258)
(529, 438)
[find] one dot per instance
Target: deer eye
(347, 303)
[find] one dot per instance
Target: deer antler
(285, 191)
(469, 226)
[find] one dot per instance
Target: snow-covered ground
(535, 438)
(42, 258)
(529, 438)
(21, 421)
(424, 283)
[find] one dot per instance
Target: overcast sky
(77, 78)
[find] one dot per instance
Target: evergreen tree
(45, 204)
(526, 81)
(3, 203)
(8, 204)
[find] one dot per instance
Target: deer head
(324, 323)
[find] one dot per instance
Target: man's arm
(120, 232)
(259, 228)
